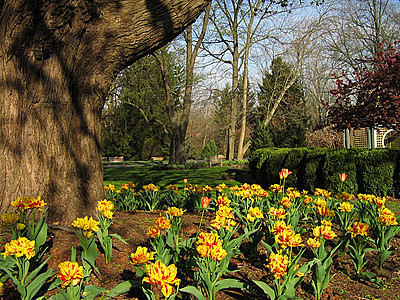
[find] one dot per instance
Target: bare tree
(237, 27)
(296, 48)
(357, 28)
(179, 114)
(351, 31)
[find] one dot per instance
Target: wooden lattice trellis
(362, 138)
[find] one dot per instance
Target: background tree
(135, 122)
(372, 97)
(216, 125)
(288, 123)
(261, 137)
(59, 60)
(326, 137)
(236, 27)
(357, 28)
(350, 31)
(209, 150)
(179, 103)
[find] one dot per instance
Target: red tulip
(342, 177)
(205, 202)
(284, 173)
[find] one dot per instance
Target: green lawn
(394, 206)
(143, 175)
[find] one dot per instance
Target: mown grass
(394, 206)
(142, 175)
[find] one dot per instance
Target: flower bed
(279, 241)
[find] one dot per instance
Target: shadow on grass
(142, 175)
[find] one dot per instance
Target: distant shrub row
(374, 171)
(197, 165)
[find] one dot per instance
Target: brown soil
(132, 226)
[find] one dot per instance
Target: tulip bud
(284, 173)
(205, 202)
(342, 177)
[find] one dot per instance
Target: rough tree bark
(58, 60)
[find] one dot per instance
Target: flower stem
(201, 221)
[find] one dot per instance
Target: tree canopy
(371, 96)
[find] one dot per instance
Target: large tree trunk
(58, 61)
(178, 119)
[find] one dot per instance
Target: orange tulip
(342, 177)
(205, 202)
(284, 173)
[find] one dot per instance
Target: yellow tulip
(70, 273)
(346, 206)
(141, 256)
(175, 212)
(20, 247)
(158, 273)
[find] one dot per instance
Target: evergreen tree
(288, 125)
(209, 150)
(135, 123)
(261, 138)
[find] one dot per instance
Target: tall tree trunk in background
(253, 9)
(234, 101)
(228, 33)
(241, 149)
(179, 116)
(58, 61)
(235, 82)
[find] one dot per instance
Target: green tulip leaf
(195, 292)
(266, 288)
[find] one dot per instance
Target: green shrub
(341, 161)
(275, 165)
(235, 162)
(313, 165)
(267, 163)
(369, 171)
(295, 162)
(258, 164)
(196, 165)
(376, 170)
(396, 176)
(162, 167)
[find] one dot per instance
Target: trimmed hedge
(337, 162)
(377, 170)
(313, 166)
(374, 171)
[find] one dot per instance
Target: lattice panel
(358, 138)
(380, 132)
(392, 140)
